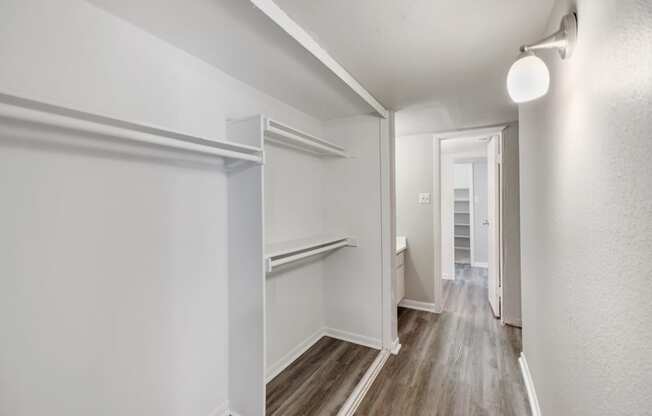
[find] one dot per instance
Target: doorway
(468, 196)
(488, 238)
(476, 227)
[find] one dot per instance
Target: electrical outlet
(424, 198)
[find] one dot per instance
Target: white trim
(222, 410)
(419, 306)
(529, 386)
(471, 133)
(389, 327)
(285, 22)
(292, 355)
(447, 276)
(305, 345)
(396, 347)
(482, 264)
(478, 132)
(355, 398)
(353, 338)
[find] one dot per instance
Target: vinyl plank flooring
(320, 380)
(461, 362)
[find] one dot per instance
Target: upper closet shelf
(277, 254)
(47, 118)
(292, 137)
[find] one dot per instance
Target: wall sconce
(529, 78)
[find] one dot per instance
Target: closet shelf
(462, 212)
(46, 117)
(289, 136)
(462, 225)
(286, 252)
(463, 248)
(462, 236)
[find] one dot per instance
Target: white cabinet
(400, 277)
(399, 271)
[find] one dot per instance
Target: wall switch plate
(424, 198)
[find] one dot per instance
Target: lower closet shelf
(278, 254)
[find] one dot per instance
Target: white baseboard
(482, 264)
(221, 410)
(396, 346)
(289, 358)
(447, 276)
(353, 338)
(305, 345)
(529, 386)
(355, 398)
(420, 306)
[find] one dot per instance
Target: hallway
(461, 362)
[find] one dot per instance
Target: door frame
(495, 220)
(436, 206)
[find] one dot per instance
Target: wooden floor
(459, 363)
(320, 381)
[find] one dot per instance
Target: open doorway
(432, 249)
(469, 231)
(457, 266)
(478, 213)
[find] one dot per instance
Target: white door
(493, 203)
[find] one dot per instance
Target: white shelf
(277, 254)
(461, 212)
(462, 200)
(462, 225)
(463, 248)
(462, 236)
(45, 116)
(289, 136)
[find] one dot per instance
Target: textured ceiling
(438, 60)
(441, 62)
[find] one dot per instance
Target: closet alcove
(177, 230)
(322, 240)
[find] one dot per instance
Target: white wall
(414, 175)
(417, 168)
(112, 301)
(586, 217)
(510, 227)
(353, 276)
(294, 198)
(462, 175)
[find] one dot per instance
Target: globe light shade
(528, 79)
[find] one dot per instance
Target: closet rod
(278, 132)
(49, 116)
(291, 259)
